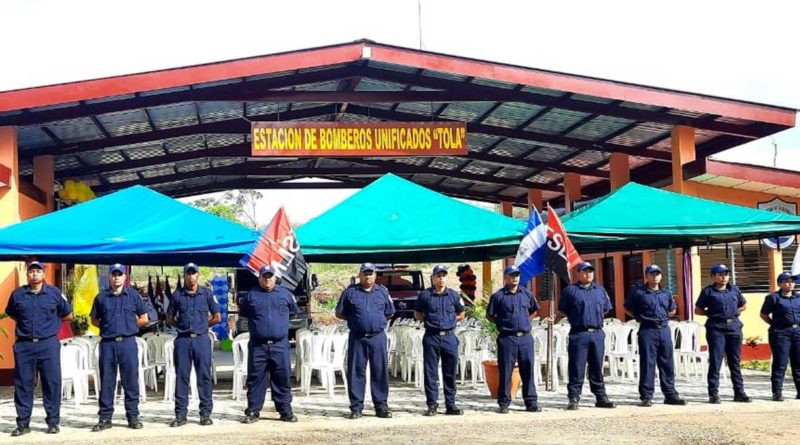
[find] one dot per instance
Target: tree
(238, 206)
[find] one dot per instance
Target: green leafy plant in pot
(490, 367)
(79, 325)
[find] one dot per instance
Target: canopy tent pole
(551, 375)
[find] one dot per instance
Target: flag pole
(549, 382)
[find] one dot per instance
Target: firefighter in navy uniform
(722, 302)
(268, 308)
(652, 305)
(119, 312)
(38, 309)
(585, 303)
(440, 308)
(366, 306)
(781, 310)
(189, 310)
(511, 309)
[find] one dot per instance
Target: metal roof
(185, 131)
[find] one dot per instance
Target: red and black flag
(561, 254)
(278, 247)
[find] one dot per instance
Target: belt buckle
(119, 339)
(270, 342)
(591, 330)
(193, 335)
(35, 340)
(519, 334)
(442, 333)
(729, 320)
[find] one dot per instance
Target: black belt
(370, 334)
(654, 325)
(724, 320)
(514, 334)
(33, 339)
(265, 341)
(788, 326)
(577, 330)
(117, 339)
(190, 335)
(439, 332)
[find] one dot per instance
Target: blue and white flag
(532, 249)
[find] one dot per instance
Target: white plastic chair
(171, 376)
(213, 337)
(316, 357)
(72, 372)
(623, 355)
(88, 365)
(147, 370)
(239, 348)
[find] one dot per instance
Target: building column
(507, 209)
(572, 190)
(684, 152)
(775, 267)
(620, 175)
(9, 274)
(44, 179)
(486, 282)
(620, 170)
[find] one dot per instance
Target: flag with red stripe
(278, 246)
(561, 254)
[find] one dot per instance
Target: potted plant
(490, 367)
(79, 325)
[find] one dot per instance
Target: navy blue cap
(785, 276)
(117, 267)
(190, 266)
(585, 265)
(719, 268)
(511, 270)
(33, 264)
(266, 269)
(439, 268)
(652, 268)
(367, 266)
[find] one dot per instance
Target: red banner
(335, 139)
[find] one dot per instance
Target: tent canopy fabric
(393, 220)
(641, 217)
(132, 226)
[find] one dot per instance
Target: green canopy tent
(394, 220)
(637, 217)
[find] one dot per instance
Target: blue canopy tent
(132, 226)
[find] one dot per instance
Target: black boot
(572, 405)
(454, 411)
(179, 421)
(431, 411)
(53, 429)
(674, 400)
(20, 430)
(134, 423)
(647, 402)
(288, 417)
(605, 403)
(742, 397)
(101, 425)
(714, 398)
(777, 397)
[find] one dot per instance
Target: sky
(738, 49)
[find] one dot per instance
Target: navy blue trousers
(586, 348)
(655, 349)
(510, 351)
(785, 345)
(363, 351)
(434, 348)
(269, 363)
(724, 341)
(43, 357)
(192, 351)
(122, 355)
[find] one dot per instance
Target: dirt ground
(762, 422)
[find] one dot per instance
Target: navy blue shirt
(439, 309)
(267, 312)
(191, 309)
(365, 312)
(650, 305)
(584, 306)
(785, 310)
(720, 304)
(38, 315)
(512, 310)
(118, 313)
